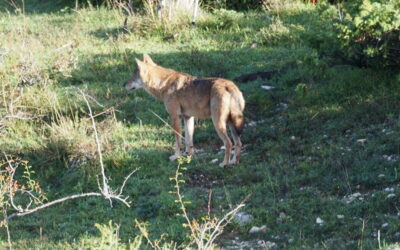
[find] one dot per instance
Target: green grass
(301, 160)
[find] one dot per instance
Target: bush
(235, 4)
(370, 32)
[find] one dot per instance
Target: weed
(327, 131)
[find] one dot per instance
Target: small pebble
(391, 196)
(256, 229)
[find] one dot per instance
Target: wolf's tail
(236, 110)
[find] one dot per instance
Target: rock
(252, 123)
(319, 221)
(389, 189)
(282, 106)
(243, 218)
(252, 244)
(214, 161)
(349, 198)
(256, 229)
(362, 141)
(268, 244)
(267, 87)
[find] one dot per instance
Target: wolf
(186, 96)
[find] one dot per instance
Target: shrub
(221, 19)
(370, 32)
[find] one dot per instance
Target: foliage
(221, 19)
(370, 32)
(322, 144)
(235, 4)
(17, 192)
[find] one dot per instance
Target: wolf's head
(137, 81)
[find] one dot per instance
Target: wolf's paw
(233, 161)
(173, 157)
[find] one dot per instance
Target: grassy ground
(305, 156)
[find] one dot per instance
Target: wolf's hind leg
(220, 127)
(237, 146)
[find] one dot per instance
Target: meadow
(322, 150)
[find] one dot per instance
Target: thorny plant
(10, 187)
(202, 233)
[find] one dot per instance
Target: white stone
(391, 196)
(319, 221)
(389, 189)
(361, 141)
(243, 218)
(256, 229)
(267, 87)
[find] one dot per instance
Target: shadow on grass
(42, 6)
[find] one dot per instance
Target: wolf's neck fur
(158, 80)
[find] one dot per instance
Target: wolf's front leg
(177, 131)
(189, 130)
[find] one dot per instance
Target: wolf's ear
(142, 66)
(148, 60)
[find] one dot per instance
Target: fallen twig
(105, 190)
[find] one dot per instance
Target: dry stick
(145, 234)
(228, 217)
(19, 209)
(219, 226)
(125, 180)
(7, 229)
(19, 214)
(209, 202)
(166, 123)
(105, 191)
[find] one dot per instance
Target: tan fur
(186, 96)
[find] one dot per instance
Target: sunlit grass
(303, 153)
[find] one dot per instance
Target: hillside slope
(322, 148)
